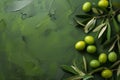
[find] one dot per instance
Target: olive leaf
(115, 25)
(85, 21)
(74, 66)
(87, 77)
(90, 25)
(118, 44)
(78, 71)
(108, 31)
(99, 27)
(100, 11)
(80, 23)
(106, 43)
(85, 63)
(76, 77)
(115, 64)
(118, 78)
(112, 46)
(94, 10)
(68, 69)
(102, 31)
(84, 16)
(118, 71)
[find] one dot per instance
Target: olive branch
(102, 22)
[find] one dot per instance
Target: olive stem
(118, 36)
(115, 64)
(96, 70)
(117, 11)
(115, 69)
(111, 9)
(103, 16)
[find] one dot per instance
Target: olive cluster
(88, 45)
(87, 6)
(102, 59)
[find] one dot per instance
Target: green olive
(112, 56)
(86, 7)
(102, 58)
(94, 63)
(103, 3)
(80, 45)
(89, 39)
(106, 73)
(91, 49)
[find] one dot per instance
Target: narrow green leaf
(108, 31)
(78, 70)
(94, 10)
(80, 23)
(99, 27)
(112, 46)
(85, 21)
(116, 25)
(68, 69)
(100, 11)
(113, 38)
(102, 31)
(90, 25)
(118, 71)
(85, 63)
(115, 64)
(76, 77)
(118, 78)
(118, 44)
(74, 63)
(93, 25)
(84, 16)
(74, 66)
(87, 77)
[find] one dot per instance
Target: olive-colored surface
(37, 37)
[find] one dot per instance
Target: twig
(115, 64)
(96, 70)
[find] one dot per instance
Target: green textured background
(38, 38)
